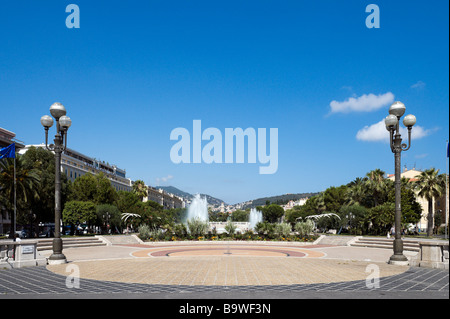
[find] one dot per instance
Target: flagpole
(446, 195)
(15, 197)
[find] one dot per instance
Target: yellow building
(440, 204)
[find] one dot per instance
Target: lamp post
(392, 122)
(63, 122)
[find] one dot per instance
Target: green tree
(106, 193)
(127, 202)
(376, 186)
(334, 198)
(240, 216)
(382, 217)
(353, 218)
(109, 217)
(94, 188)
(140, 189)
(27, 183)
(357, 192)
(297, 213)
(272, 213)
(84, 188)
(78, 212)
(411, 209)
(430, 185)
(42, 162)
(314, 205)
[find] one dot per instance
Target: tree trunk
(430, 218)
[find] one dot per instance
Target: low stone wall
(119, 239)
(20, 254)
(432, 255)
(220, 226)
(337, 240)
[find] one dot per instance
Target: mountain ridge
(276, 199)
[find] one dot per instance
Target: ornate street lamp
(63, 122)
(392, 122)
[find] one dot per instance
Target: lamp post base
(57, 259)
(399, 260)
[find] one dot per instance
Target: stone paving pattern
(184, 267)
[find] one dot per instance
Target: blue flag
(8, 151)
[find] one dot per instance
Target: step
(386, 243)
(50, 247)
(388, 240)
(71, 241)
(47, 243)
(385, 246)
(335, 240)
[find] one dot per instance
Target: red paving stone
(262, 250)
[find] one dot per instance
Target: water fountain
(198, 209)
(254, 218)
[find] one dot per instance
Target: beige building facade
(440, 204)
(167, 200)
(75, 164)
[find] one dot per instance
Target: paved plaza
(225, 270)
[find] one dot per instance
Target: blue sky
(135, 70)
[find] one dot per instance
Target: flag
(8, 151)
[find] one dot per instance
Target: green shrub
(197, 227)
(282, 229)
(180, 230)
(304, 228)
(266, 229)
(157, 234)
(144, 232)
(230, 228)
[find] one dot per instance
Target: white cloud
(418, 85)
(373, 133)
(377, 133)
(163, 179)
(364, 103)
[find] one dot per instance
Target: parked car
(22, 233)
(46, 233)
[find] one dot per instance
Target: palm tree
(140, 189)
(318, 203)
(376, 184)
(357, 191)
(429, 185)
(27, 183)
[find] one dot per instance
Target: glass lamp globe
(390, 121)
(397, 109)
(46, 121)
(65, 122)
(409, 120)
(57, 110)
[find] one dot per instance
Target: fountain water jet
(198, 209)
(254, 218)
